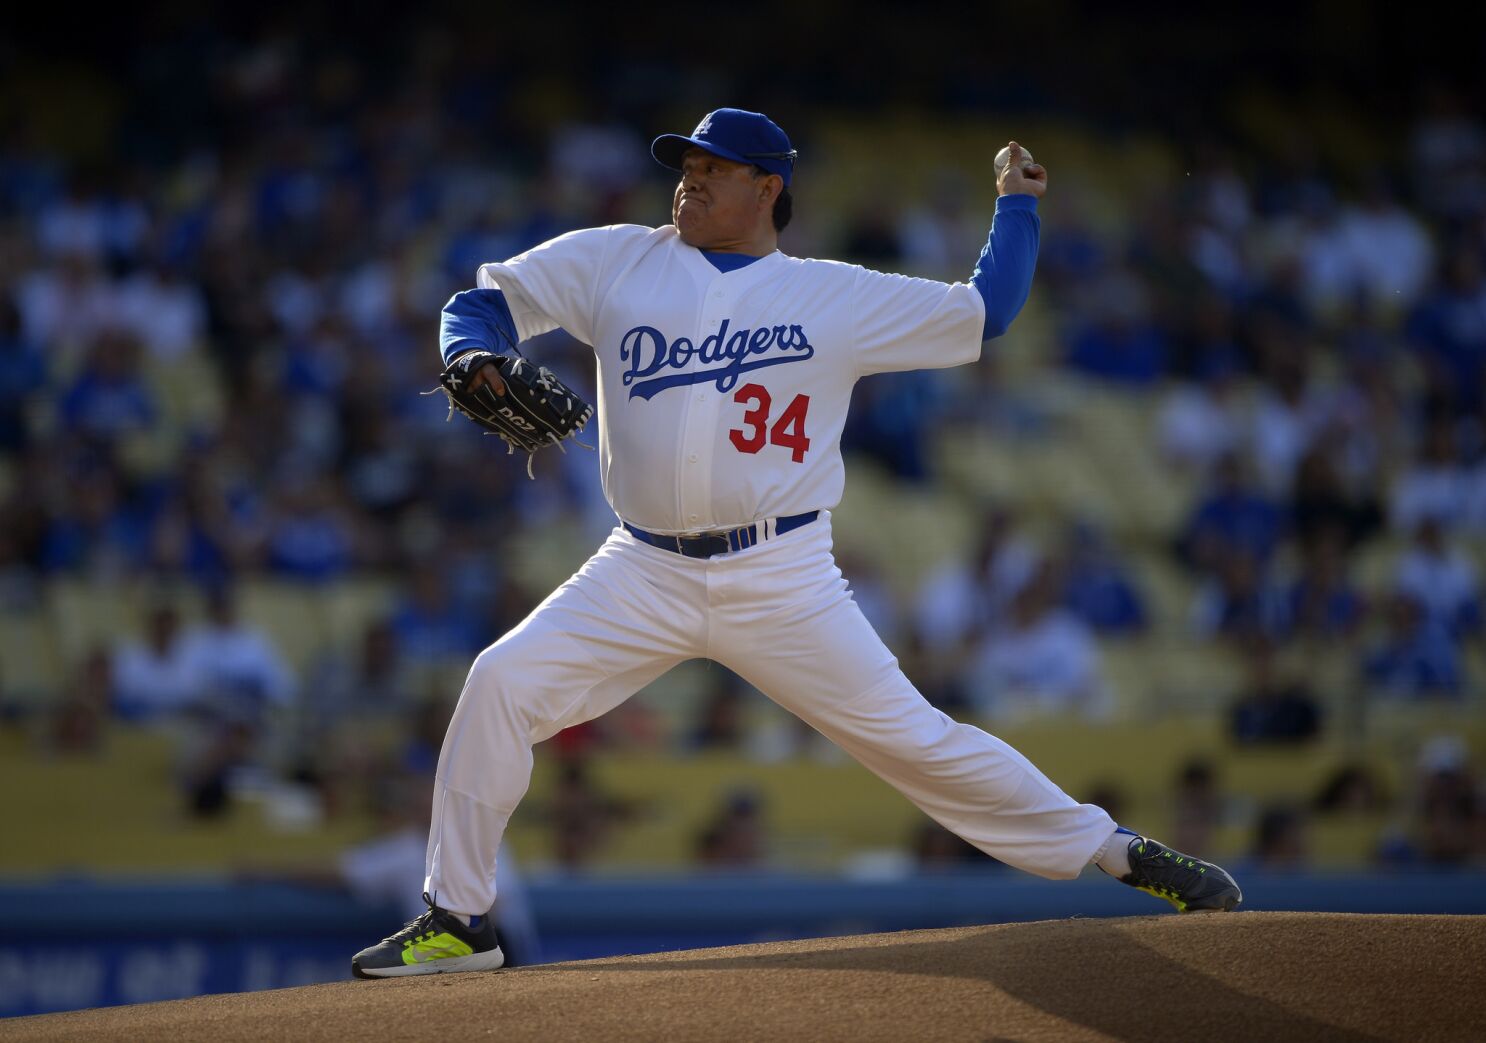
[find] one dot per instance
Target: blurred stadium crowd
(211, 353)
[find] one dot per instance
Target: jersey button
(692, 457)
(692, 517)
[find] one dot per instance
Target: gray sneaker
(434, 943)
(1188, 883)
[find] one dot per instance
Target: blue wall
(105, 943)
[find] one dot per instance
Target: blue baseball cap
(736, 134)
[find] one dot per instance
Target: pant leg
(792, 630)
(620, 622)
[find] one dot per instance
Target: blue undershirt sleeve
(1003, 275)
(476, 319)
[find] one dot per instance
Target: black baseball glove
(537, 409)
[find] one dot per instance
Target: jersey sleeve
(557, 283)
(905, 323)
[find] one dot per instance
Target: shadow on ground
(1085, 975)
(1268, 976)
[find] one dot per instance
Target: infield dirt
(1236, 976)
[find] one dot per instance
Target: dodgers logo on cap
(735, 134)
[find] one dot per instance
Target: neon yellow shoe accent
(1170, 896)
(434, 947)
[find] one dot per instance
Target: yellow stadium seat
(1375, 564)
(31, 661)
(188, 390)
(1197, 677)
(294, 616)
(352, 605)
(1128, 668)
(1166, 587)
(87, 615)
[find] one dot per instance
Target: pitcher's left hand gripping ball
(535, 409)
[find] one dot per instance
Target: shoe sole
(493, 960)
(1225, 903)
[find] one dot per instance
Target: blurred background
(1203, 535)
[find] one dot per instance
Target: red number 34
(788, 430)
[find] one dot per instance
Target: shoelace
(1159, 873)
(421, 921)
(417, 925)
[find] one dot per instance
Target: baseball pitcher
(725, 370)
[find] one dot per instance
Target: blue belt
(723, 541)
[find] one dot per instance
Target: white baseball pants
(778, 614)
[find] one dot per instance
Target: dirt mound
(1270, 976)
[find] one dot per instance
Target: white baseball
(1004, 157)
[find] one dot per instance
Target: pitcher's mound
(1235, 976)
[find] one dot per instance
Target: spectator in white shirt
(1287, 417)
(1042, 659)
(1441, 578)
(1199, 424)
(157, 677)
(960, 598)
(165, 311)
(1436, 487)
(242, 671)
(1389, 251)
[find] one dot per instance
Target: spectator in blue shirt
(1241, 600)
(1322, 601)
(109, 400)
(1096, 586)
(1417, 659)
(1121, 346)
(1233, 518)
(309, 536)
(22, 374)
(1449, 327)
(430, 626)
(891, 421)
(97, 529)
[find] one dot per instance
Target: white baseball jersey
(722, 395)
